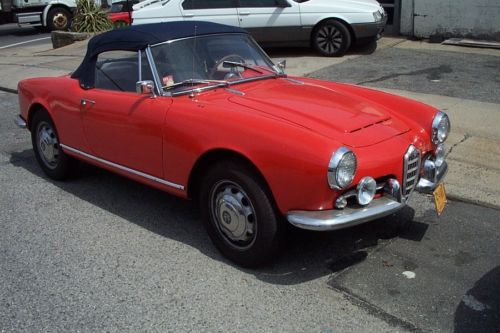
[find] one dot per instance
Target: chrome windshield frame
(273, 72)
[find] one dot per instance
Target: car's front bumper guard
(433, 175)
(20, 122)
(389, 203)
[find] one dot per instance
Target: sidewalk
(473, 146)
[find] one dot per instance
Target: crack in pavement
(466, 137)
(433, 73)
(375, 310)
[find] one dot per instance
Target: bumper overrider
(390, 202)
(20, 122)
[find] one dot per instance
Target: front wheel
(331, 38)
(58, 19)
(239, 215)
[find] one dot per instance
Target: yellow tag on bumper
(440, 198)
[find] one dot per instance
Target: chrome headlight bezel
(341, 159)
(377, 16)
(441, 127)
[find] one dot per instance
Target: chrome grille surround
(411, 170)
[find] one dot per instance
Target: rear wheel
(53, 161)
(58, 19)
(239, 215)
(331, 38)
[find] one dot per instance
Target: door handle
(84, 102)
(188, 15)
(244, 13)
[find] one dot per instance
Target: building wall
(451, 18)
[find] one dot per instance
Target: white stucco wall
(471, 18)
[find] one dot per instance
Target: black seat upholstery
(120, 75)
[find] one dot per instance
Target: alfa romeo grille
(411, 170)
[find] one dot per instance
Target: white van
(330, 26)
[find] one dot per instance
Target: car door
(270, 20)
(121, 126)
(218, 11)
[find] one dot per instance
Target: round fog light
(366, 190)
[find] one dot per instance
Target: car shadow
(282, 52)
(479, 310)
(22, 32)
(306, 256)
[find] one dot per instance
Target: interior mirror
(145, 88)
(282, 3)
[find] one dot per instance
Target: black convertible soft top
(138, 37)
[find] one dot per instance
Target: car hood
(345, 117)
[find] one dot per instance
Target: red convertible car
(198, 110)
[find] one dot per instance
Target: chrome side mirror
(146, 87)
(281, 65)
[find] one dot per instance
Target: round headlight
(342, 168)
(366, 190)
(440, 128)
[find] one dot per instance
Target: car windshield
(210, 61)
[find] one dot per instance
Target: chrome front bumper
(20, 122)
(342, 218)
(391, 202)
(322, 220)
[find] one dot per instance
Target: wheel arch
(213, 156)
(33, 109)
(338, 19)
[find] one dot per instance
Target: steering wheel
(231, 57)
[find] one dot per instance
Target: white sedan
(330, 26)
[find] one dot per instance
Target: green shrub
(90, 18)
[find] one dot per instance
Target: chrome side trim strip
(123, 168)
(338, 219)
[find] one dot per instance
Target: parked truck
(46, 14)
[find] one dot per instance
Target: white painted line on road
(25, 42)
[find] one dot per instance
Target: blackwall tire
(58, 19)
(331, 38)
(49, 155)
(239, 214)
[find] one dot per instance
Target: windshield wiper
(240, 64)
(218, 83)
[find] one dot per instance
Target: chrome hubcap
(60, 20)
(329, 39)
(234, 214)
(48, 145)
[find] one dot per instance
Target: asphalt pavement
(102, 253)
(11, 35)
